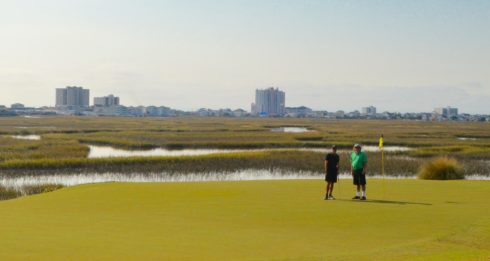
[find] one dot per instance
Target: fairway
(250, 220)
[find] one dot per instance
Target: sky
(403, 56)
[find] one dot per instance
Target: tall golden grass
(441, 169)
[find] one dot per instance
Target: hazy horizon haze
(328, 55)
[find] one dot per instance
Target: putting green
(250, 220)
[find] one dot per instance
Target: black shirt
(333, 160)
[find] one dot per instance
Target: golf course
(403, 219)
(245, 130)
(76, 188)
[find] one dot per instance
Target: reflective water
(290, 129)
(478, 177)
(34, 127)
(386, 148)
(466, 138)
(26, 137)
(108, 152)
(78, 179)
(364, 148)
(19, 182)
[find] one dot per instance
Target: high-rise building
(269, 102)
(17, 106)
(368, 111)
(446, 112)
(72, 97)
(106, 101)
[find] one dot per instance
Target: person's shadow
(379, 201)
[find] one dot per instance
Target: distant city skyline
(404, 56)
(358, 108)
(269, 102)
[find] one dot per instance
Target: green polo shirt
(358, 160)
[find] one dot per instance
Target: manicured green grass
(252, 220)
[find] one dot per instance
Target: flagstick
(381, 147)
(383, 169)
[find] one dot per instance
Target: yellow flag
(381, 142)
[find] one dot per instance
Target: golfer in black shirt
(332, 169)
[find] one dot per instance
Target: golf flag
(382, 162)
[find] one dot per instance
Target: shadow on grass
(379, 201)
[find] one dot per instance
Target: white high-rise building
(269, 102)
(106, 101)
(368, 111)
(72, 97)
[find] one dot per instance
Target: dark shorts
(331, 176)
(358, 178)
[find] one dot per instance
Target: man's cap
(334, 147)
(357, 145)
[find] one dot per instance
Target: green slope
(250, 220)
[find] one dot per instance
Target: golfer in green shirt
(358, 161)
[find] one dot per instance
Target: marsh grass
(8, 193)
(289, 160)
(64, 140)
(476, 167)
(45, 148)
(481, 151)
(11, 193)
(38, 189)
(441, 169)
(429, 139)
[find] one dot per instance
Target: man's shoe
(326, 198)
(356, 197)
(363, 198)
(331, 197)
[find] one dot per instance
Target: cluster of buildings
(106, 101)
(269, 102)
(439, 114)
(19, 109)
(74, 100)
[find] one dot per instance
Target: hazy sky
(397, 55)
